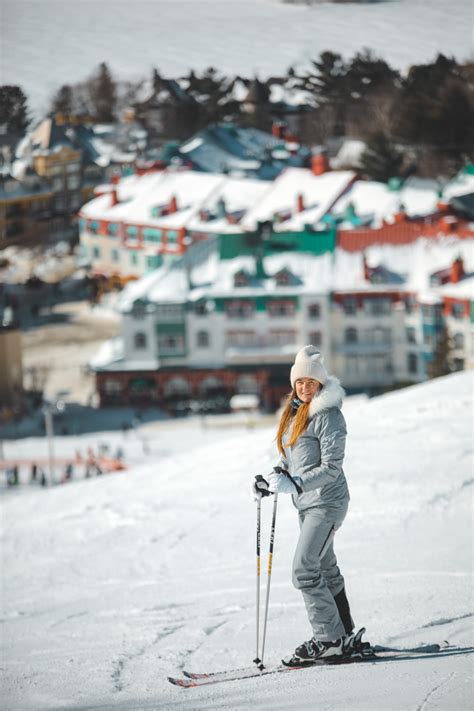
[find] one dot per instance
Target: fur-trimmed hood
(330, 395)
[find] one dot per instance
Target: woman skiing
(311, 440)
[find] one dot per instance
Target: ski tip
(183, 683)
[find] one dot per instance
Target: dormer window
(241, 278)
(284, 278)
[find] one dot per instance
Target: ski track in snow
(424, 703)
(112, 584)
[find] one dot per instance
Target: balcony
(363, 348)
(262, 351)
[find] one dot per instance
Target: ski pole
(270, 561)
(259, 509)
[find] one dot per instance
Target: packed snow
(239, 37)
(111, 584)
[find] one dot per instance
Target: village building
(208, 327)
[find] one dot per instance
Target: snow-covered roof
(319, 192)
(341, 271)
(374, 202)
(194, 192)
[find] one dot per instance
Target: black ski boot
(308, 652)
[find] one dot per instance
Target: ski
(383, 654)
(422, 649)
(191, 679)
(378, 649)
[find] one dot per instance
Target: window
(115, 254)
(284, 278)
(202, 339)
(112, 387)
(350, 335)
(177, 386)
(73, 181)
(241, 278)
(200, 308)
(241, 338)
(60, 204)
(428, 339)
(113, 229)
(314, 311)
(377, 307)
(57, 184)
(283, 338)
(315, 338)
(139, 340)
(457, 311)
(458, 340)
(239, 309)
(352, 363)
(134, 258)
(379, 335)
(138, 310)
(350, 306)
(169, 312)
(211, 386)
(410, 332)
(96, 252)
(412, 363)
(172, 236)
(132, 232)
(247, 384)
(458, 363)
(410, 304)
(278, 309)
(170, 344)
(152, 235)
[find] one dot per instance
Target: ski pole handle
(263, 491)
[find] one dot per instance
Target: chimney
(278, 129)
(319, 163)
(366, 269)
(457, 271)
(300, 202)
(221, 208)
(173, 205)
(114, 179)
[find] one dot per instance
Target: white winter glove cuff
(279, 483)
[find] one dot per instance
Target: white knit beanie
(309, 363)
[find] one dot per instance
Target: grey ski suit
(315, 460)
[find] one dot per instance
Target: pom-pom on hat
(309, 363)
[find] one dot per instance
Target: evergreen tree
(381, 160)
(441, 364)
(103, 94)
(62, 102)
(13, 110)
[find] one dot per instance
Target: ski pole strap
(280, 470)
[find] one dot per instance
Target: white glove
(281, 484)
(259, 488)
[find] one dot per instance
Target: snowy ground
(63, 347)
(111, 584)
(240, 37)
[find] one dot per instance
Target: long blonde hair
(300, 421)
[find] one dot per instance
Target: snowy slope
(111, 584)
(239, 37)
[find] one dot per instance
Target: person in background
(311, 440)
